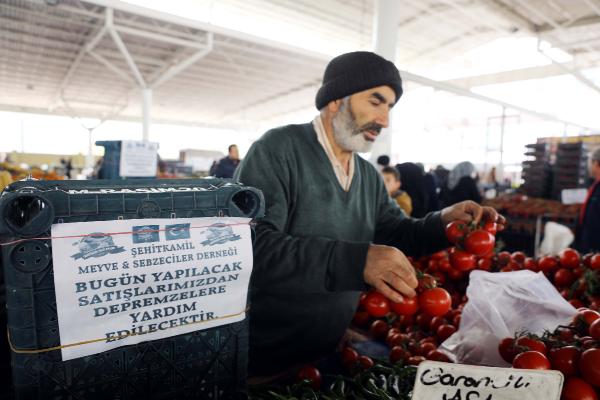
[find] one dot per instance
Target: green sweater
(311, 246)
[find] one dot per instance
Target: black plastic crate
(203, 364)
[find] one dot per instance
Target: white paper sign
(445, 381)
(148, 278)
(573, 196)
(138, 158)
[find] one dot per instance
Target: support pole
(502, 127)
(146, 106)
(385, 32)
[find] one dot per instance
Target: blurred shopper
(382, 162)
(393, 183)
(413, 182)
(461, 185)
(5, 179)
(330, 228)
(441, 177)
(587, 235)
(226, 166)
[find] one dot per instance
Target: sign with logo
(128, 281)
(138, 158)
(445, 381)
(573, 196)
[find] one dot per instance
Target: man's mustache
(371, 126)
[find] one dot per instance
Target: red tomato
(445, 331)
(398, 354)
(480, 242)
(310, 373)
(408, 306)
(435, 302)
(456, 321)
(365, 362)
(436, 355)
(507, 350)
(461, 260)
(569, 258)
(503, 257)
(531, 264)
(564, 277)
(423, 320)
(456, 231)
(415, 360)
(518, 257)
(444, 265)
(585, 317)
(484, 264)
(564, 334)
(525, 343)
(578, 389)
(595, 262)
(455, 274)
(531, 360)
(377, 305)
(547, 264)
(491, 227)
(349, 356)
(436, 322)
(589, 366)
(595, 330)
(565, 359)
(361, 318)
(425, 348)
(379, 329)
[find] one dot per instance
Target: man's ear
(334, 106)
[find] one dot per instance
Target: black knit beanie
(354, 72)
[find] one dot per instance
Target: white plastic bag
(499, 305)
(557, 237)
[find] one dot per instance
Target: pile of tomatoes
(573, 350)
(412, 328)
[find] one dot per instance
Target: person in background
(393, 183)
(413, 182)
(382, 162)
(226, 166)
(430, 183)
(587, 233)
(5, 179)
(461, 185)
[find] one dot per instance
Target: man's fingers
(388, 292)
(407, 272)
(474, 209)
(399, 284)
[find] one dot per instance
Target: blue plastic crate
(204, 364)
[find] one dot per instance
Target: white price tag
(573, 196)
(445, 381)
(138, 158)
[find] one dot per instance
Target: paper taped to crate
(436, 380)
(127, 281)
(501, 304)
(139, 158)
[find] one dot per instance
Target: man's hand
(469, 211)
(389, 271)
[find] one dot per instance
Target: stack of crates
(205, 364)
(571, 168)
(537, 172)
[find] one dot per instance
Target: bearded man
(330, 229)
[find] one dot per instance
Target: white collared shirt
(344, 179)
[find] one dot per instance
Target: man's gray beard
(346, 131)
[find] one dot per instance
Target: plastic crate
(204, 364)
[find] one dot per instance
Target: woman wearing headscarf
(413, 183)
(461, 185)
